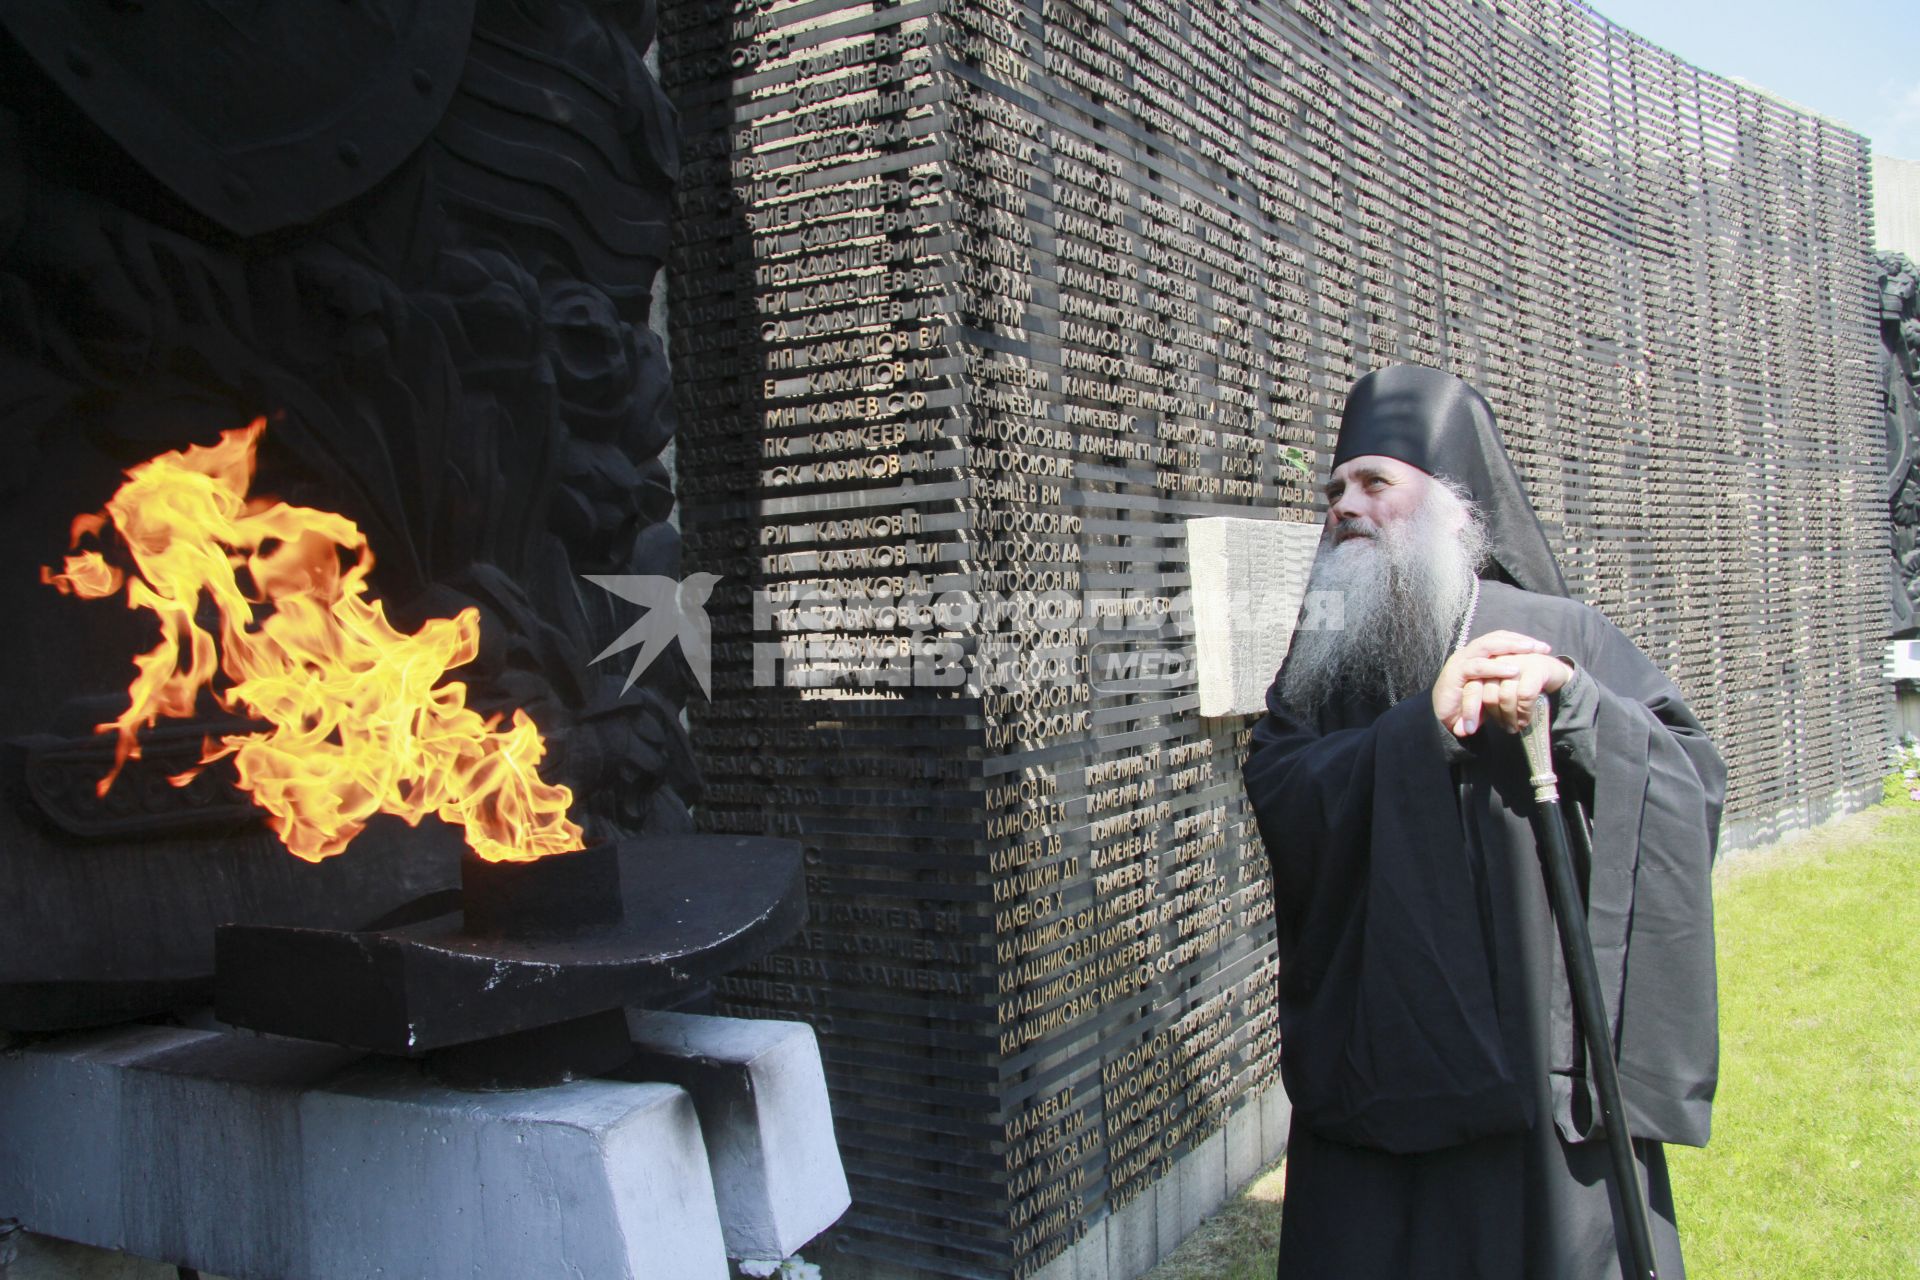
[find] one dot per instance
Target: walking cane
(1584, 975)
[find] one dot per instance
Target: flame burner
(558, 896)
(526, 982)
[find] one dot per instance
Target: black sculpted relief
(421, 239)
(1900, 332)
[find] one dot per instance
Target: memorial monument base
(260, 1158)
(1139, 1235)
(1739, 835)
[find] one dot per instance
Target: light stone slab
(61, 1110)
(1249, 579)
(1203, 1184)
(762, 1098)
(1896, 205)
(1276, 1120)
(1133, 1236)
(265, 1159)
(1061, 1268)
(1245, 1151)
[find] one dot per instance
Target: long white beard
(1397, 596)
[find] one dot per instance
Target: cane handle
(1537, 740)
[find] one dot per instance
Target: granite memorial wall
(976, 301)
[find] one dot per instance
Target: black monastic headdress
(1439, 423)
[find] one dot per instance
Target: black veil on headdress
(1439, 423)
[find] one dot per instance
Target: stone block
(1276, 1117)
(1202, 1175)
(1167, 1215)
(762, 1098)
(1061, 1268)
(591, 1178)
(210, 1152)
(1249, 577)
(1246, 1152)
(61, 1109)
(1089, 1255)
(265, 1159)
(1133, 1236)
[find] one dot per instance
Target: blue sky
(1857, 61)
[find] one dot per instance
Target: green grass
(1238, 1243)
(1814, 1168)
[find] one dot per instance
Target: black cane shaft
(1591, 1010)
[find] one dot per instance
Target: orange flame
(361, 723)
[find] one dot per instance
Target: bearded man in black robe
(1443, 1123)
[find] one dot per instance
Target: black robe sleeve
(1657, 786)
(1390, 1035)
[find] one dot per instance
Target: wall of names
(976, 300)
